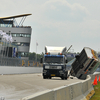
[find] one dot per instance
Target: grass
(97, 92)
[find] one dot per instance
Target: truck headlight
(46, 67)
(61, 72)
(44, 71)
(59, 67)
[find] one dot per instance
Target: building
(21, 34)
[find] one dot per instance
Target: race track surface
(14, 87)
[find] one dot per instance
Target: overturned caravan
(85, 63)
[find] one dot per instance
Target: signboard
(14, 51)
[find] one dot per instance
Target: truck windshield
(51, 59)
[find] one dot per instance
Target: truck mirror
(41, 60)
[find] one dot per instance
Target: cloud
(90, 29)
(57, 20)
(61, 10)
(46, 13)
(58, 15)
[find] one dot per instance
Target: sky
(58, 22)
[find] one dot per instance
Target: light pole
(36, 50)
(8, 46)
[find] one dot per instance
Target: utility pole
(36, 50)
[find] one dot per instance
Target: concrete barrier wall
(95, 74)
(92, 77)
(76, 91)
(19, 70)
(70, 92)
(62, 93)
(87, 86)
(45, 95)
(90, 86)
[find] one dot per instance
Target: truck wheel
(66, 75)
(62, 77)
(49, 77)
(44, 77)
(66, 78)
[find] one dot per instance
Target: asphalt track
(14, 87)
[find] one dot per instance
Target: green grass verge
(97, 92)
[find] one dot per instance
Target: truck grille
(52, 71)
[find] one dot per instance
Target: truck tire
(49, 77)
(66, 78)
(66, 74)
(44, 77)
(62, 77)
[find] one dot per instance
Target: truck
(85, 63)
(54, 62)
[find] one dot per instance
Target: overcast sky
(58, 22)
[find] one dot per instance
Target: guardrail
(77, 91)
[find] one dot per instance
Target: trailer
(85, 63)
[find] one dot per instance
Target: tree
(32, 56)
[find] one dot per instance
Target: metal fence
(7, 61)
